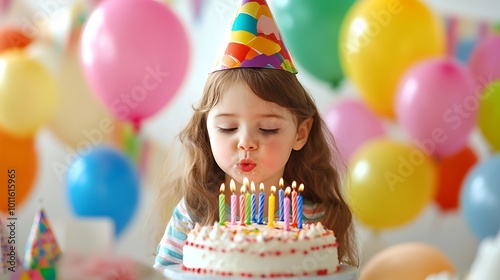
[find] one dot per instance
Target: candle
(299, 205)
(270, 208)
(294, 204)
(280, 199)
(286, 207)
(232, 187)
(222, 205)
(242, 205)
(261, 204)
(247, 202)
(254, 204)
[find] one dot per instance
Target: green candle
(248, 208)
(222, 205)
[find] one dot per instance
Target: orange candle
(270, 207)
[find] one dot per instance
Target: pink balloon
(485, 61)
(135, 56)
(352, 124)
(436, 105)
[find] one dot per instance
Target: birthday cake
(261, 251)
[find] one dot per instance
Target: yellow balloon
(380, 39)
(390, 183)
(28, 94)
(489, 114)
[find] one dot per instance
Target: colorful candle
(294, 204)
(280, 199)
(299, 205)
(254, 203)
(261, 204)
(247, 203)
(242, 205)
(270, 208)
(286, 209)
(234, 205)
(222, 205)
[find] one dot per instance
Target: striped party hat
(254, 41)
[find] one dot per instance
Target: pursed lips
(246, 165)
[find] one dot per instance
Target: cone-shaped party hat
(254, 41)
(42, 250)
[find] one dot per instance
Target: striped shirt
(169, 251)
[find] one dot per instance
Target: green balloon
(489, 114)
(310, 29)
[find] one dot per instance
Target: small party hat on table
(254, 41)
(42, 251)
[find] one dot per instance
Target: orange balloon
(452, 171)
(11, 37)
(18, 166)
(409, 261)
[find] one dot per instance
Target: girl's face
(251, 137)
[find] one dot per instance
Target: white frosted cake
(261, 251)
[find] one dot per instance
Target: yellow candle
(270, 213)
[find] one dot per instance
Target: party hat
(42, 251)
(254, 41)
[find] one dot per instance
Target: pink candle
(234, 205)
(294, 204)
(242, 205)
(286, 209)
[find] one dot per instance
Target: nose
(247, 142)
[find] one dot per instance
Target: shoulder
(312, 211)
(180, 212)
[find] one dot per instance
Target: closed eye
(226, 130)
(269, 131)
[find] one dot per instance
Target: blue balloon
(464, 48)
(104, 183)
(480, 198)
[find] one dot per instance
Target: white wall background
(447, 232)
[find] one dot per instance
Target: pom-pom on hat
(254, 41)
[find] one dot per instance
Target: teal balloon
(480, 198)
(310, 29)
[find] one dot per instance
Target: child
(256, 120)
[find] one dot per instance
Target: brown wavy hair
(318, 164)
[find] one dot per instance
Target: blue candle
(261, 204)
(254, 205)
(299, 206)
(281, 196)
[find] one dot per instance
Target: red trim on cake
(319, 272)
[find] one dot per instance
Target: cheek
(277, 153)
(221, 148)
